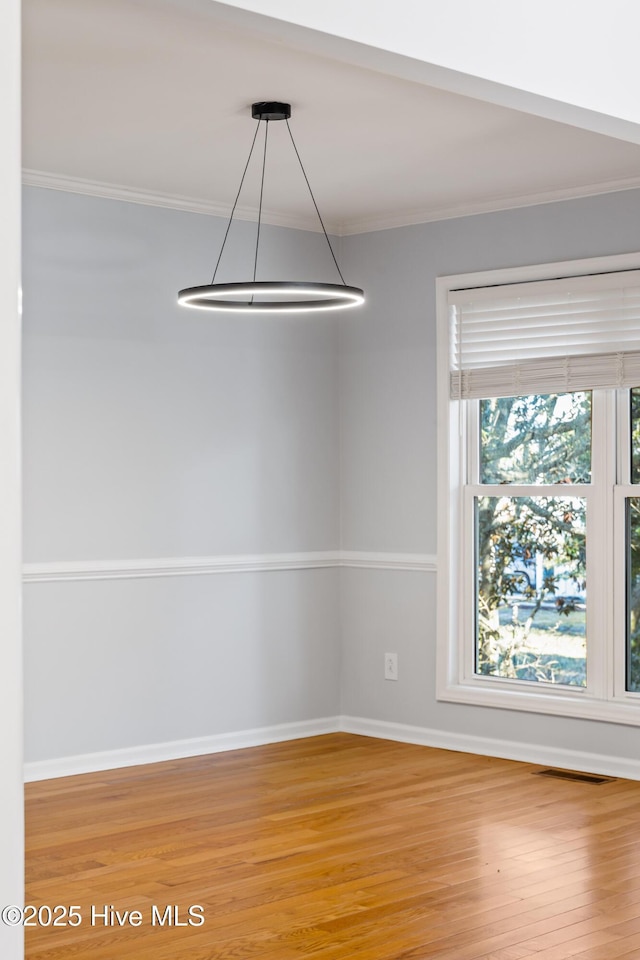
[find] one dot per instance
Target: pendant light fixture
(265, 296)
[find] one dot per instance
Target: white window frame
(604, 698)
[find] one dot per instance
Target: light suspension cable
(305, 296)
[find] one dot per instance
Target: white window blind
(549, 336)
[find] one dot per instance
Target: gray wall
(152, 431)
(388, 452)
(155, 431)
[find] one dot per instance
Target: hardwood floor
(337, 848)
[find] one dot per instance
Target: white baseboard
(176, 749)
(465, 743)
(585, 762)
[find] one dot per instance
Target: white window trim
(605, 699)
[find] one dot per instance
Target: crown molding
(493, 205)
(111, 191)
(114, 191)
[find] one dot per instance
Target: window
(539, 461)
(530, 550)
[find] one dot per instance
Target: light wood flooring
(337, 848)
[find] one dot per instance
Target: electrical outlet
(391, 666)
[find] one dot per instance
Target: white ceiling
(150, 99)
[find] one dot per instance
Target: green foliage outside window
(633, 554)
(635, 435)
(633, 594)
(531, 559)
(537, 439)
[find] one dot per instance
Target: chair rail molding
(131, 569)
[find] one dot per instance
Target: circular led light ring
(334, 296)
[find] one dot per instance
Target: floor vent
(570, 775)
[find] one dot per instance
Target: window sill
(577, 703)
